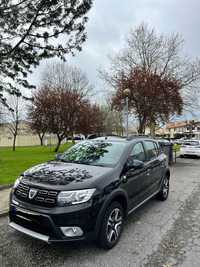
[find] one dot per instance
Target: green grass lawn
(12, 164)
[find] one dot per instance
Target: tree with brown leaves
(91, 120)
(64, 113)
(61, 110)
(153, 99)
(57, 105)
(37, 115)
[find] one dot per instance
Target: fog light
(72, 231)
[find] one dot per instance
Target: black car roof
(130, 139)
(111, 138)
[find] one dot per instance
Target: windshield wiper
(63, 160)
(99, 165)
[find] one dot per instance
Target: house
(187, 128)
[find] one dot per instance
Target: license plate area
(32, 221)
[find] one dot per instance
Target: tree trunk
(14, 142)
(152, 129)
(72, 135)
(142, 124)
(41, 139)
(58, 145)
(141, 129)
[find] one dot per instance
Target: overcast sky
(111, 20)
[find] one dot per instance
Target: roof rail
(106, 137)
(114, 135)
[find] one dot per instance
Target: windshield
(96, 153)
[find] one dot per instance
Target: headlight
(75, 197)
(17, 182)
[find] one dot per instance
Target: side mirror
(58, 156)
(133, 164)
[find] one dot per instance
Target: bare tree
(159, 55)
(13, 115)
(60, 75)
(113, 120)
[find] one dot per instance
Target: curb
(6, 186)
(4, 213)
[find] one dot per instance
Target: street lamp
(126, 93)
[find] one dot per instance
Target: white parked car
(190, 148)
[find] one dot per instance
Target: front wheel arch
(112, 226)
(116, 196)
(163, 194)
(167, 174)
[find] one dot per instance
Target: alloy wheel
(165, 187)
(114, 225)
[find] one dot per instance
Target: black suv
(89, 190)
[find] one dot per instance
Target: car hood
(58, 174)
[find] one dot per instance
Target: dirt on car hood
(61, 173)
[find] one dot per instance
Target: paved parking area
(157, 234)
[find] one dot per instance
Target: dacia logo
(32, 193)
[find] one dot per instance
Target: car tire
(164, 192)
(182, 156)
(112, 226)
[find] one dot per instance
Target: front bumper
(45, 224)
(28, 232)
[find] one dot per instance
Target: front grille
(46, 198)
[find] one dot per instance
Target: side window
(150, 150)
(138, 152)
(157, 146)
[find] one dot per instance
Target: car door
(135, 180)
(153, 166)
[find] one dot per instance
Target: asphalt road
(158, 234)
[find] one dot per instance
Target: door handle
(124, 178)
(148, 172)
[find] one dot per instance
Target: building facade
(188, 128)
